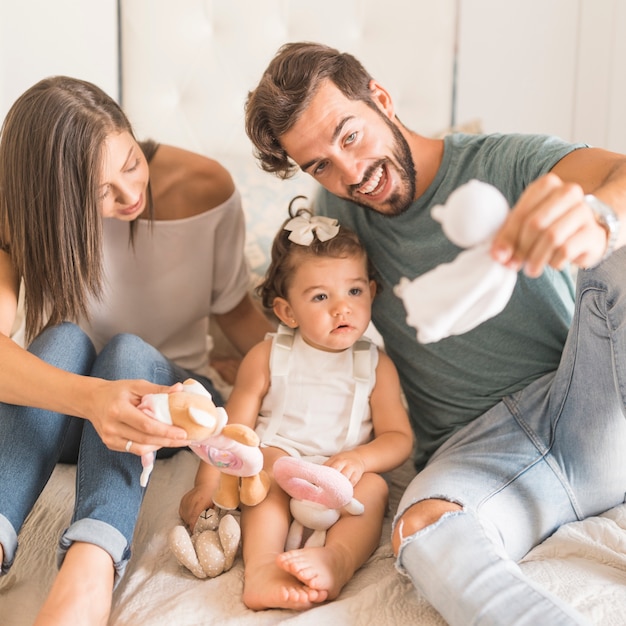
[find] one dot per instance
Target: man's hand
(550, 225)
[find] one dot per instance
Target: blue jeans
(550, 454)
(32, 441)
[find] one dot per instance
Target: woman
(115, 308)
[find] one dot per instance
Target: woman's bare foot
(322, 568)
(271, 587)
(81, 593)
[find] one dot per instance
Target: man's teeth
(372, 183)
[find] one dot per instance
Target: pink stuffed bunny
(318, 495)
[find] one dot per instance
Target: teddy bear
(234, 450)
(192, 409)
(236, 453)
(211, 548)
(453, 298)
(213, 543)
(319, 494)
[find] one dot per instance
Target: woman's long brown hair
(51, 151)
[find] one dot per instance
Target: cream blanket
(584, 563)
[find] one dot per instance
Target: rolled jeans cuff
(99, 534)
(8, 540)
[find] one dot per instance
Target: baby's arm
(393, 437)
(242, 408)
(251, 385)
(201, 496)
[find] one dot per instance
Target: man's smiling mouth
(373, 182)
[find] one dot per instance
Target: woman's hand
(118, 421)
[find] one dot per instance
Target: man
(519, 422)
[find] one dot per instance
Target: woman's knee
(419, 516)
(123, 345)
(65, 346)
(127, 356)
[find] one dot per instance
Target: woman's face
(124, 179)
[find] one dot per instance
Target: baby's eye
(355, 291)
(319, 297)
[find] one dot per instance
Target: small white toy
(455, 297)
(319, 493)
(211, 548)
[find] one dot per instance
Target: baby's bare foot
(271, 587)
(319, 568)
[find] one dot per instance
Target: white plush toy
(455, 297)
(318, 493)
(211, 548)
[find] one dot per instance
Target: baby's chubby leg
(264, 531)
(349, 543)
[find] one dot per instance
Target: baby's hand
(193, 503)
(349, 464)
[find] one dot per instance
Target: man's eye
(350, 138)
(319, 168)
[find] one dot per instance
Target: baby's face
(330, 300)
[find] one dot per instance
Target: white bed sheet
(584, 563)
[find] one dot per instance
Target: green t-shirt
(451, 382)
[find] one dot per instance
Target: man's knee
(419, 516)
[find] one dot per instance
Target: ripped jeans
(547, 455)
(32, 441)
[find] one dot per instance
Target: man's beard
(401, 199)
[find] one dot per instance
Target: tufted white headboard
(187, 67)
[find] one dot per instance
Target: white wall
(548, 66)
(196, 60)
(555, 66)
(600, 95)
(40, 38)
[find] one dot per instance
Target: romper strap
(279, 366)
(361, 368)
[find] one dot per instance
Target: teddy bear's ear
(208, 420)
(193, 386)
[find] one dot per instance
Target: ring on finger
(129, 444)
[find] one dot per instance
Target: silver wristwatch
(607, 218)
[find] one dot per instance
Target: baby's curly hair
(286, 255)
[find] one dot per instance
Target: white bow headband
(305, 226)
